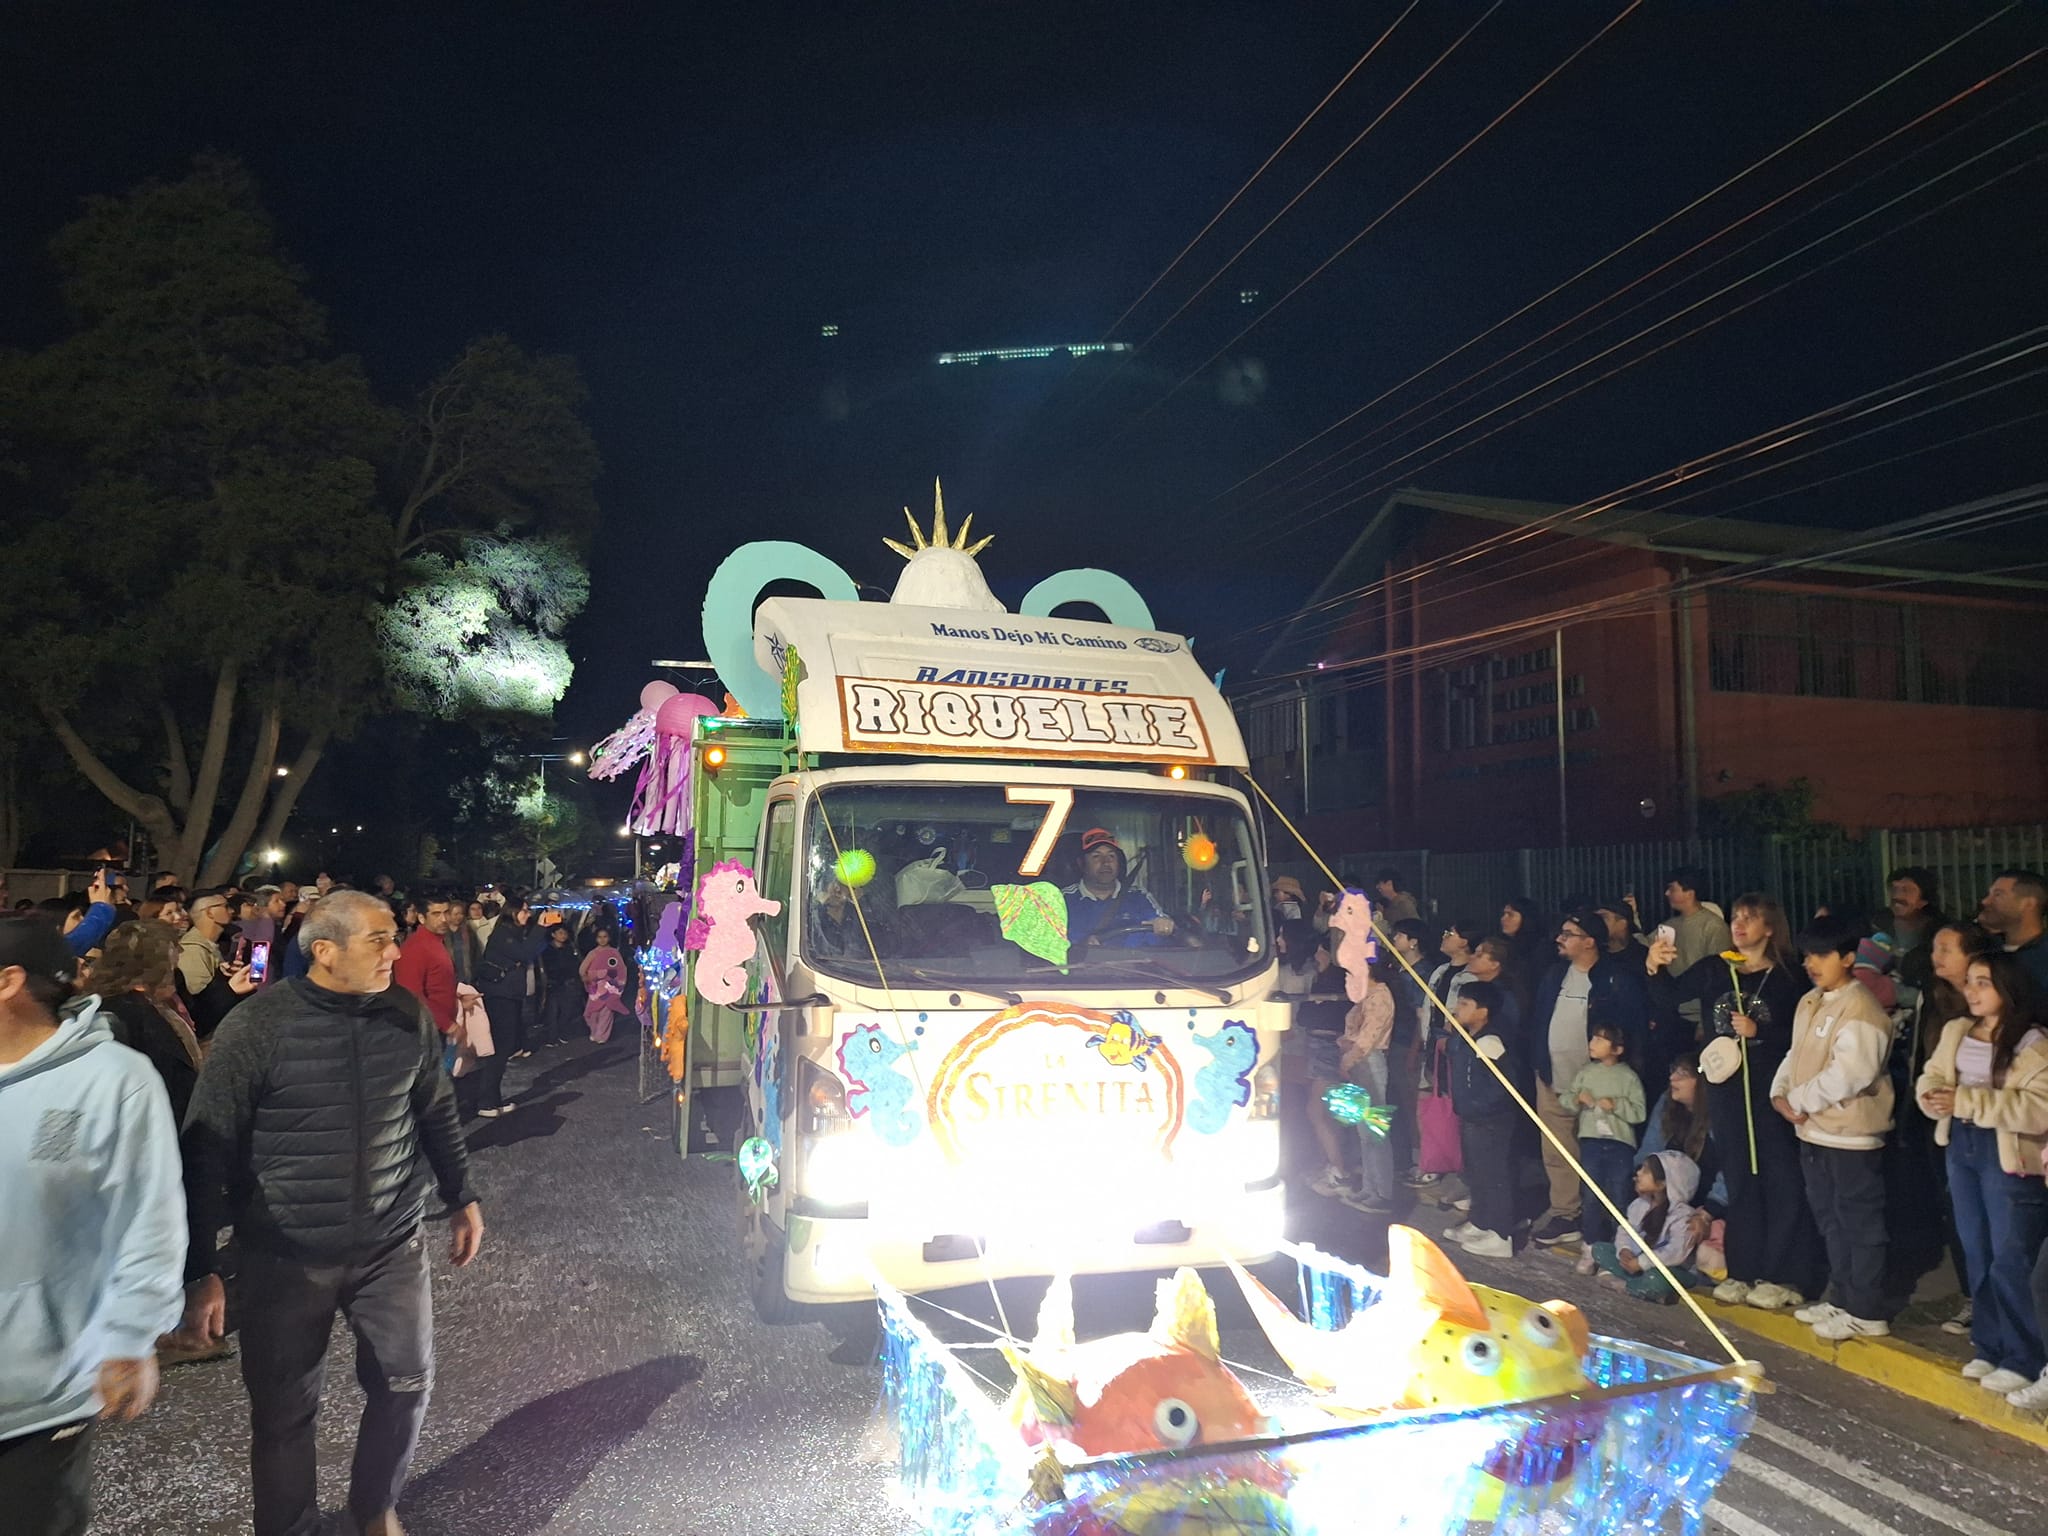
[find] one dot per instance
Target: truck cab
(1010, 1012)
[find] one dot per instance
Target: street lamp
(574, 759)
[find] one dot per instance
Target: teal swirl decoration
(1117, 598)
(729, 613)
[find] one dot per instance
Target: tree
(199, 532)
(478, 633)
(224, 546)
(496, 444)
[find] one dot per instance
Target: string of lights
(1704, 198)
(1360, 447)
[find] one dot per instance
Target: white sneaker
(1584, 1265)
(1819, 1312)
(2031, 1399)
(1978, 1369)
(1772, 1297)
(1733, 1292)
(1329, 1182)
(1959, 1324)
(1462, 1232)
(2003, 1381)
(1489, 1245)
(492, 1114)
(1843, 1327)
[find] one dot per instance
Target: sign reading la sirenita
(891, 715)
(1067, 1082)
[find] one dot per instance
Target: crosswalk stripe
(1958, 1520)
(1736, 1521)
(1837, 1510)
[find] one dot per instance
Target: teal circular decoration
(729, 613)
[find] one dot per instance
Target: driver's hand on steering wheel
(1162, 926)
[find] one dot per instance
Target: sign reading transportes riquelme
(898, 715)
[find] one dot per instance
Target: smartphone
(1666, 934)
(259, 961)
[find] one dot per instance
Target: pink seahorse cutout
(1356, 947)
(725, 901)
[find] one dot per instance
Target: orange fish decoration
(1130, 1392)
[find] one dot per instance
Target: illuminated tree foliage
(225, 552)
(478, 633)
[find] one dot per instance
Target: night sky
(680, 196)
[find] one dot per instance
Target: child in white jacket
(1664, 1214)
(1836, 1091)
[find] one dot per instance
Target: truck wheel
(764, 1249)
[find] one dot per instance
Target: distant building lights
(1016, 354)
(828, 330)
(1247, 295)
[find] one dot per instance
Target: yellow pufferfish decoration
(1432, 1340)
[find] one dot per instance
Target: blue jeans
(2001, 1219)
(1610, 1164)
(1375, 1157)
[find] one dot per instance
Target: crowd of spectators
(257, 1161)
(1801, 1115)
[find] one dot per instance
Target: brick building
(1906, 682)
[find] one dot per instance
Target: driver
(1101, 909)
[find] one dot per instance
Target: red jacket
(425, 971)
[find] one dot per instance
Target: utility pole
(1564, 810)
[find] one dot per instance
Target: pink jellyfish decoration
(662, 801)
(631, 742)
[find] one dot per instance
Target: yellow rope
(1621, 1220)
(895, 1013)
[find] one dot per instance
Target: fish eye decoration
(1350, 1104)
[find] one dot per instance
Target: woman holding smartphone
(1775, 1257)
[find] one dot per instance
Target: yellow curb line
(1893, 1363)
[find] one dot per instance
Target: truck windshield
(973, 884)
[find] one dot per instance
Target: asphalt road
(600, 1371)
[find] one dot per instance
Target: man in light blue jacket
(92, 1207)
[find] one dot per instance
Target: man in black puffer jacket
(318, 1117)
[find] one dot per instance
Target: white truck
(1011, 1014)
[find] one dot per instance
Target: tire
(764, 1249)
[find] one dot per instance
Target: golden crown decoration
(938, 539)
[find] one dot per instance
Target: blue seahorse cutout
(870, 1060)
(1226, 1082)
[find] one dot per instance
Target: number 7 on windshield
(1059, 805)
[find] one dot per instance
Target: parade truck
(983, 925)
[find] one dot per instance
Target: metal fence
(1804, 873)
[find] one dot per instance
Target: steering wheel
(1123, 928)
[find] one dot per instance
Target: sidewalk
(1918, 1368)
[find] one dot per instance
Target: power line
(1338, 460)
(1385, 112)
(1641, 511)
(2021, 504)
(1332, 623)
(1217, 217)
(1399, 203)
(1669, 219)
(1978, 360)
(1679, 314)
